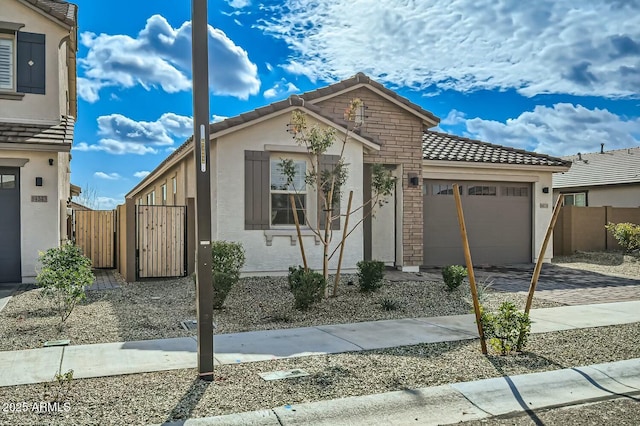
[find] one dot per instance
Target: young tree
(328, 181)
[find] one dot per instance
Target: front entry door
(10, 270)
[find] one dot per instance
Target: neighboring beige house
(506, 192)
(605, 178)
(37, 113)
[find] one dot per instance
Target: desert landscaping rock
(157, 309)
(149, 310)
(173, 395)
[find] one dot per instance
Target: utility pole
(204, 283)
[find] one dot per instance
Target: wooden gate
(160, 241)
(95, 235)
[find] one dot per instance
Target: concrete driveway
(564, 285)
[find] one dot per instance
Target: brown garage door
(498, 219)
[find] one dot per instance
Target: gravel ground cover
(155, 309)
(611, 263)
(172, 395)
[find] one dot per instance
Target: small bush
(626, 234)
(64, 275)
(227, 260)
(370, 275)
(307, 286)
(453, 276)
(506, 330)
(389, 305)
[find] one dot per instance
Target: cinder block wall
(583, 228)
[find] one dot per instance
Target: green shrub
(389, 304)
(227, 260)
(453, 276)
(307, 286)
(626, 234)
(65, 273)
(370, 275)
(506, 330)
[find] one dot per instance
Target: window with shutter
(328, 163)
(6, 63)
(256, 190)
(30, 63)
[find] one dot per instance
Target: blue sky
(548, 76)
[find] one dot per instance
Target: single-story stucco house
(605, 178)
(506, 192)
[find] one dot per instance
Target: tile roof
(38, 133)
(59, 9)
(606, 168)
(293, 100)
(445, 147)
(361, 78)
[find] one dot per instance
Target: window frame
(163, 194)
(151, 198)
(306, 193)
(573, 194)
(13, 40)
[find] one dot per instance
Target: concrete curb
(459, 402)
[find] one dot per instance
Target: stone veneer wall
(400, 135)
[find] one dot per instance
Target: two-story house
(38, 106)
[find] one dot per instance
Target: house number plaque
(38, 198)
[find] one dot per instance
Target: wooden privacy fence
(583, 228)
(160, 241)
(95, 235)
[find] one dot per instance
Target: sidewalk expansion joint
(341, 338)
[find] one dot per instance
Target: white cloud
(280, 89)
(160, 56)
(108, 203)
(562, 129)
(217, 118)
(238, 4)
(454, 117)
(545, 46)
(123, 135)
(141, 174)
(107, 176)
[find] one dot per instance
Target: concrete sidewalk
(111, 359)
(454, 403)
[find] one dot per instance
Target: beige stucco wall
(539, 178)
(229, 198)
(614, 196)
(52, 104)
(40, 224)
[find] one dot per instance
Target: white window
(151, 198)
(164, 194)
(575, 199)
(174, 185)
(281, 209)
(7, 62)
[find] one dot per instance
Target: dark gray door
(10, 225)
(497, 216)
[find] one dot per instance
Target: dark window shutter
(256, 190)
(329, 162)
(30, 63)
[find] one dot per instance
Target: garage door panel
(498, 226)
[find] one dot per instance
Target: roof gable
(621, 166)
(445, 147)
(62, 11)
(362, 80)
